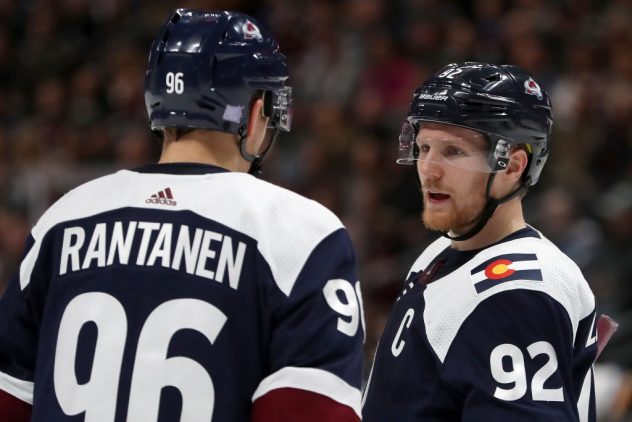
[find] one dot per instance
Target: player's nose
(429, 169)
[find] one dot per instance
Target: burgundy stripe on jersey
(292, 404)
(13, 409)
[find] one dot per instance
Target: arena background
(71, 108)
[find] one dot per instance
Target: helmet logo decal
(531, 87)
(435, 97)
(251, 31)
(233, 113)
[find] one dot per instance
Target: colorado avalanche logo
(531, 87)
(251, 31)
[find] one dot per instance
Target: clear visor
(458, 147)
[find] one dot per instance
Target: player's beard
(458, 218)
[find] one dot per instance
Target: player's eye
(453, 151)
(423, 149)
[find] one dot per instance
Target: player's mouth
(436, 197)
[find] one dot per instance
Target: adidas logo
(163, 197)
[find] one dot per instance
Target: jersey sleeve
(18, 338)
(518, 357)
(317, 333)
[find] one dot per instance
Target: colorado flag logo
(516, 266)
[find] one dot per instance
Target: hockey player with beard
(494, 323)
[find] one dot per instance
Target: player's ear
(517, 164)
(257, 125)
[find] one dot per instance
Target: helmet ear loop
(242, 132)
(257, 163)
(255, 160)
(266, 112)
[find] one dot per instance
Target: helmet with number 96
(205, 69)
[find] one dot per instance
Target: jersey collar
(181, 168)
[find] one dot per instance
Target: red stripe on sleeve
(291, 405)
(13, 409)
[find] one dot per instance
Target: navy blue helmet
(205, 68)
(503, 102)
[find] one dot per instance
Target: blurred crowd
(72, 108)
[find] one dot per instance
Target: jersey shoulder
(94, 196)
(288, 227)
(278, 204)
(532, 263)
(531, 267)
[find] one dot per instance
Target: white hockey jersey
(506, 333)
(181, 292)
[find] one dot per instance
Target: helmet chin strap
(256, 161)
(488, 210)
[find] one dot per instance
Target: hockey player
(494, 323)
(189, 289)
